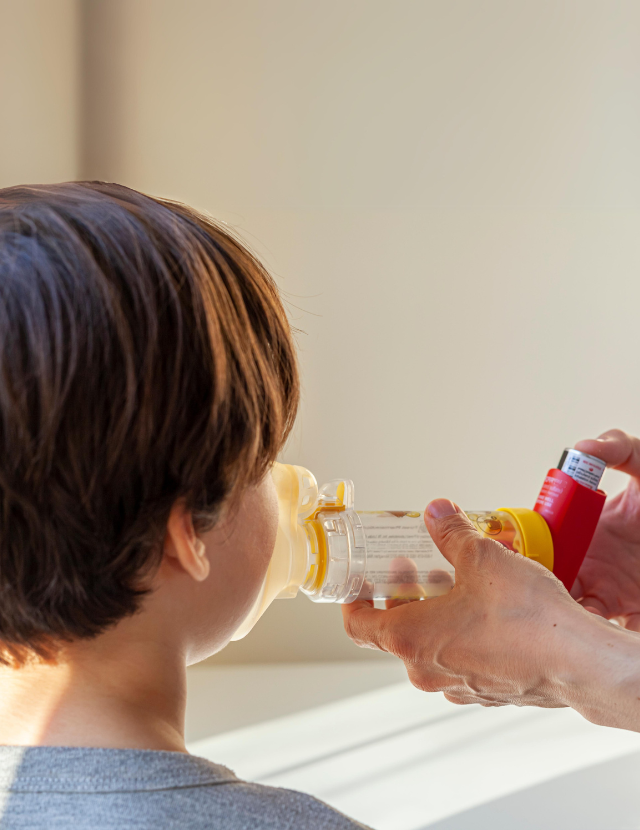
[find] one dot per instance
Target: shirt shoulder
(97, 789)
(271, 808)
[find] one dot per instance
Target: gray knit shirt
(105, 789)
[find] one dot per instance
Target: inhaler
(334, 553)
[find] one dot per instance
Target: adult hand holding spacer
(333, 553)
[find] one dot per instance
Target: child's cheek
(240, 556)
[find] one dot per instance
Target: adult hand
(508, 632)
(609, 579)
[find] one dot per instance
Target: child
(148, 380)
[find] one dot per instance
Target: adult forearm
(601, 680)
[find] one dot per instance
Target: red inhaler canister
(571, 504)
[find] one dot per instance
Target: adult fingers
(401, 631)
(402, 571)
(465, 699)
(439, 582)
(365, 625)
(456, 538)
(594, 606)
(617, 448)
(577, 589)
(459, 699)
(367, 592)
(403, 576)
(396, 603)
(593, 610)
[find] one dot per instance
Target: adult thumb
(454, 534)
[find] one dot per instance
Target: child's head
(147, 381)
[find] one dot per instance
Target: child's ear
(182, 543)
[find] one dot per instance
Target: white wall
(39, 91)
(449, 194)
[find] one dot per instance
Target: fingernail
(440, 508)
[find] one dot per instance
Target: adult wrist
(600, 673)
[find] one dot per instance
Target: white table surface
(398, 759)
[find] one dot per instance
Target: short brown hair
(145, 356)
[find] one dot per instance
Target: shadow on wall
(602, 797)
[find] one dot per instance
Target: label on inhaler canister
(394, 536)
(585, 469)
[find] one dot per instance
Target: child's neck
(120, 690)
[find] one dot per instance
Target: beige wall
(39, 91)
(449, 194)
